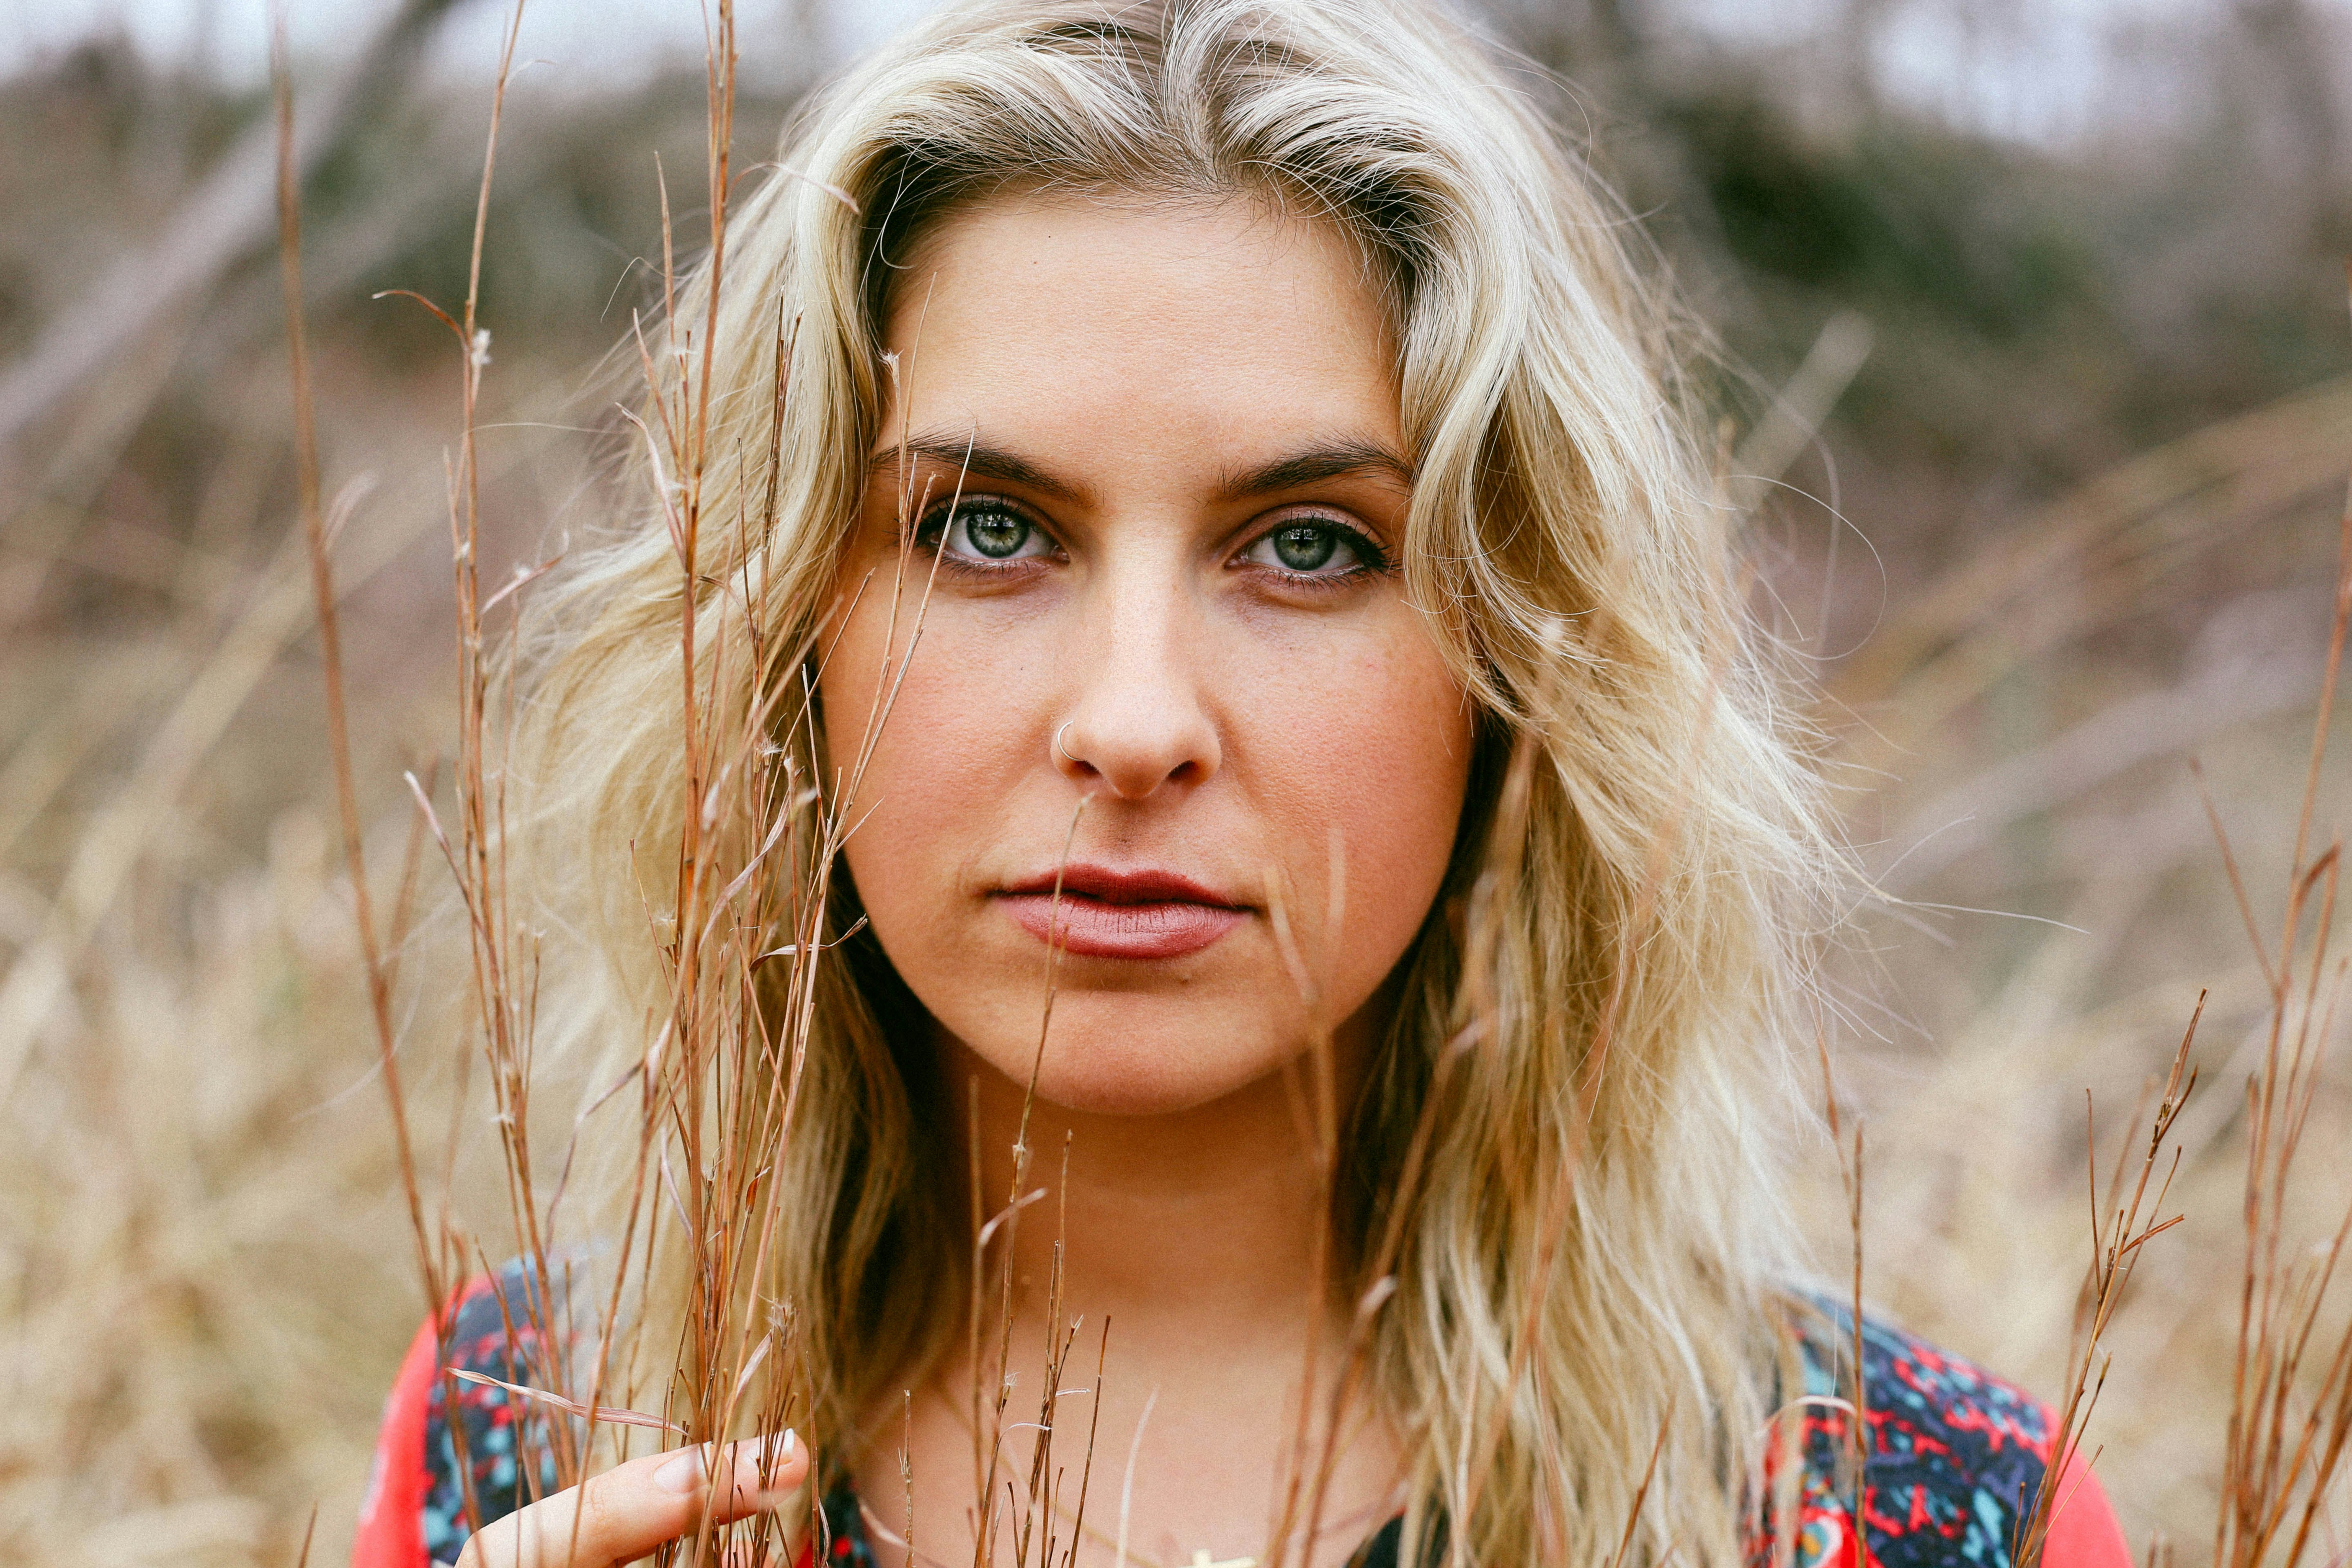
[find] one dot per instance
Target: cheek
(946, 772)
(1375, 759)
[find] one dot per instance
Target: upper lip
(1143, 885)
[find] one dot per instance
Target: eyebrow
(1336, 460)
(980, 462)
(1316, 464)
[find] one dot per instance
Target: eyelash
(1371, 561)
(930, 533)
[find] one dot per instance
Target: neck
(1217, 1215)
(1201, 1239)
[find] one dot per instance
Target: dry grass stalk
(317, 538)
(1851, 1168)
(2119, 1228)
(710, 1091)
(194, 1362)
(2290, 1411)
(717, 1085)
(226, 219)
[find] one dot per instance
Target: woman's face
(1169, 592)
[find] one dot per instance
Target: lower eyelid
(1370, 556)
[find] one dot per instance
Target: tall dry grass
(210, 1267)
(1975, 1065)
(682, 1317)
(200, 1265)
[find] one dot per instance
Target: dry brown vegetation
(2091, 481)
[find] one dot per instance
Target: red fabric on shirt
(2084, 1532)
(391, 1532)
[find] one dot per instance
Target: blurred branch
(1793, 422)
(2118, 737)
(229, 217)
(2104, 540)
(2296, 61)
(109, 848)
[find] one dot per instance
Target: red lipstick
(1110, 914)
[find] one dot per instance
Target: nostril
(1136, 747)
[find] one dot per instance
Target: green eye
(1305, 547)
(1314, 550)
(986, 532)
(995, 534)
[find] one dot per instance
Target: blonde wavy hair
(1568, 1160)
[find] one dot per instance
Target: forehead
(1227, 326)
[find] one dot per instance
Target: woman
(1332, 665)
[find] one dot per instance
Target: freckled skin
(1227, 724)
(1226, 718)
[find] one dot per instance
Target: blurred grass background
(2071, 323)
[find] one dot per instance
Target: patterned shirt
(1955, 1455)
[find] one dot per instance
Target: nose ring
(1064, 751)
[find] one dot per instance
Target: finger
(632, 1508)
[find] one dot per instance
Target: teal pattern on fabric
(1954, 1455)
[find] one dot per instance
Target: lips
(1110, 914)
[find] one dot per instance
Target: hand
(631, 1510)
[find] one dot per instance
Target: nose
(1139, 723)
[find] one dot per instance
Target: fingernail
(769, 1455)
(682, 1474)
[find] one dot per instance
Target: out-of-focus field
(2070, 523)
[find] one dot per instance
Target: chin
(1086, 1090)
(1100, 1068)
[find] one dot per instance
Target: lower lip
(1089, 927)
